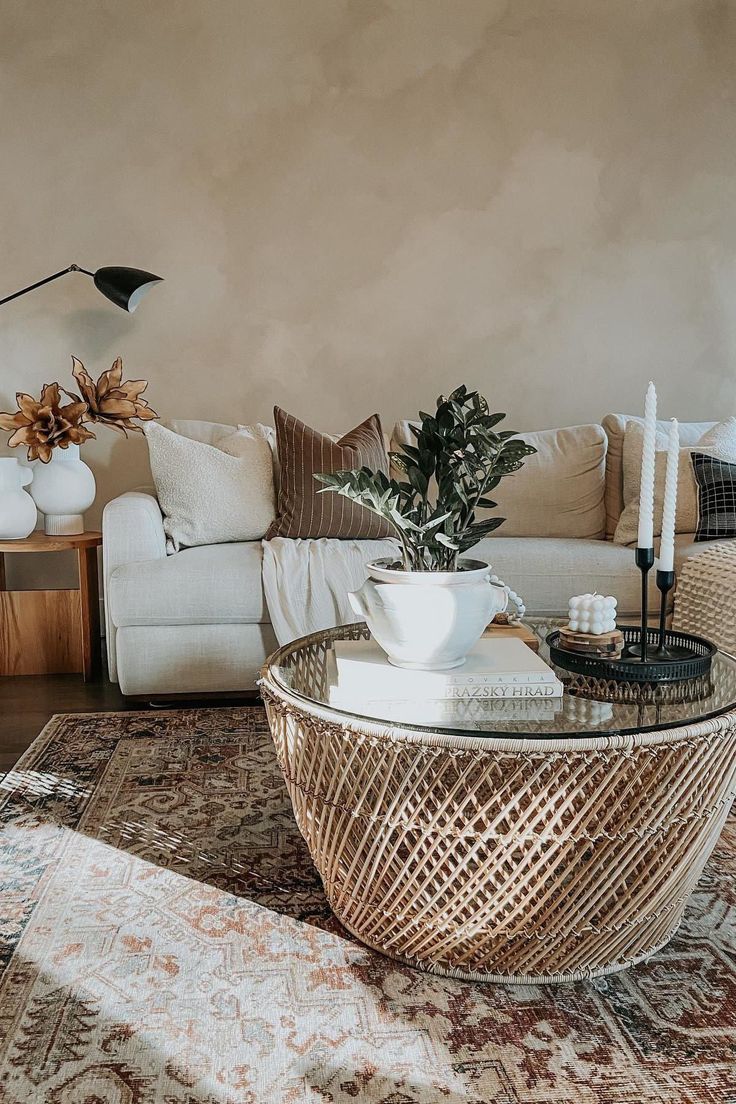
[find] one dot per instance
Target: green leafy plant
(457, 460)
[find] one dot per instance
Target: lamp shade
(125, 287)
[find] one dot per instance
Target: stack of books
(497, 676)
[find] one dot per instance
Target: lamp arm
(47, 280)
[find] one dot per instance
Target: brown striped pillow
(302, 453)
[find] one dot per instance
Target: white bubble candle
(592, 613)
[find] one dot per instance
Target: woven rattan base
(514, 979)
(501, 858)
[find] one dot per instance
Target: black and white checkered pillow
(716, 480)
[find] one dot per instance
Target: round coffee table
(512, 842)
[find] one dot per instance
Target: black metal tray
(687, 657)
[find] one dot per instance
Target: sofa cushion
(221, 584)
(546, 572)
(213, 584)
(615, 427)
(559, 492)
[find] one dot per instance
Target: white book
(497, 691)
(471, 715)
(506, 664)
(455, 695)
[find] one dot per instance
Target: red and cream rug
(164, 940)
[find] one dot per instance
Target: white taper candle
(667, 547)
(646, 489)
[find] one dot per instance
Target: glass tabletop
(307, 669)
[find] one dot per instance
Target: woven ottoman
(705, 601)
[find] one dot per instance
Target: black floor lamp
(125, 287)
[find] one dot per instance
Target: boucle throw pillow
(211, 494)
(214, 433)
(718, 441)
(716, 481)
(303, 452)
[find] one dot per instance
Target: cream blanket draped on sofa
(306, 582)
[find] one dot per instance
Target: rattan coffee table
(509, 842)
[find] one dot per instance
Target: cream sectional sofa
(196, 621)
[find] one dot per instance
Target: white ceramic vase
(17, 508)
(63, 489)
(428, 620)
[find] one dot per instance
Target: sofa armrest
(132, 532)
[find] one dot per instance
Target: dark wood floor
(27, 703)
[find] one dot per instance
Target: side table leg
(3, 583)
(90, 611)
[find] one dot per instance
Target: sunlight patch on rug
(191, 972)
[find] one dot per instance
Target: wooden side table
(52, 632)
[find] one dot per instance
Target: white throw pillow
(214, 433)
(212, 494)
(719, 441)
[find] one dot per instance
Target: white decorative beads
(592, 613)
(514, 599)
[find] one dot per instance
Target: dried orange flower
(113, 401)
(44, 424)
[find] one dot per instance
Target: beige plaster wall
(358, 203)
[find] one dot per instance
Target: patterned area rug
(164, 940)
